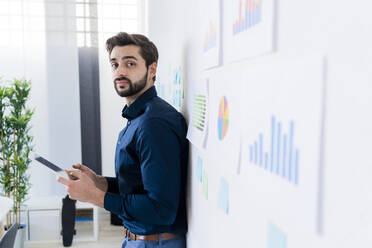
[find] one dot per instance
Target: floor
(109, 237)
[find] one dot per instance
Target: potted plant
(15, 145)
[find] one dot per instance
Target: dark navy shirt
(148, 192)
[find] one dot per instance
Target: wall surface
(312, 88)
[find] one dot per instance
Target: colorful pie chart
(223, 118)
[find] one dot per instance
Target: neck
(130, 99)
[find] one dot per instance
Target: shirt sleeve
(158, 148)
(112, 185)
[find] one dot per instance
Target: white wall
(337, 31)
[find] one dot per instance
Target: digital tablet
(57, 170)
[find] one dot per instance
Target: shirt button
(128, 123)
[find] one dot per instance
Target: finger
(75, 173)
(77, 166)
(63, 180)
(70, 175)
(71, 197)
(80, 167)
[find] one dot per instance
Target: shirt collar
(139, 105)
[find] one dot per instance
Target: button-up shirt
(148, 192)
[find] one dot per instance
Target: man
(148, 192)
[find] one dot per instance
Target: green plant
(16, 144)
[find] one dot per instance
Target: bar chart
(282, 157)
(250, 14)
(202, 177)
(210, 40)
(199, 112)
(177, 87)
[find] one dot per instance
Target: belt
(150, 237)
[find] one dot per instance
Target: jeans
(179, 242)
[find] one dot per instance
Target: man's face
(129, 71)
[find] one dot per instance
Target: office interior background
(277, 94)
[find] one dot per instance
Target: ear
(152, 69)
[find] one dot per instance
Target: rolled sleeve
(112, 185)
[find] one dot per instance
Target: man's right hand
(98, 180)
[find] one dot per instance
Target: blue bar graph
(278, 148)
(284, 153)
(282, 156)
(266, 160)
(290, 151)
(296, 166)
(272, 142)
(255, 152)
(251, 153)
(261, 144)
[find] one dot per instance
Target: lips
(121, 82)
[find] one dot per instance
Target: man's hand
(99, 181)
(82, 188)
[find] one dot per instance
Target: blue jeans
(179, 242)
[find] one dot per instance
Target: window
(68, 22)
(86, 23)
(20, 21)
(105, 17)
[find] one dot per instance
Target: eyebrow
(125, 57)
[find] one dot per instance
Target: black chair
(7, 241)
(68, 220)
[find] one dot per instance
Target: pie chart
(223, 118)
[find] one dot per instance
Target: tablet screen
(48, 164)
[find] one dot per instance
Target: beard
(133, 88)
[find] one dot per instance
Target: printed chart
(276, 238)
(249, 28)
(202, 177)
(249, 15)
(281, 139)
(224, 124)
(177, 88)
(223, 118)
(211, 35)
(210, 40)
(199, 111)
(283, 157)
(198, 124)
(223, 196)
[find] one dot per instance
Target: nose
(121, 71)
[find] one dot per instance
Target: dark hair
(148, 50)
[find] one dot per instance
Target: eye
(114, 65)
(131, 64)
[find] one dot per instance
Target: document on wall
(211, 26)
(198, 119)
